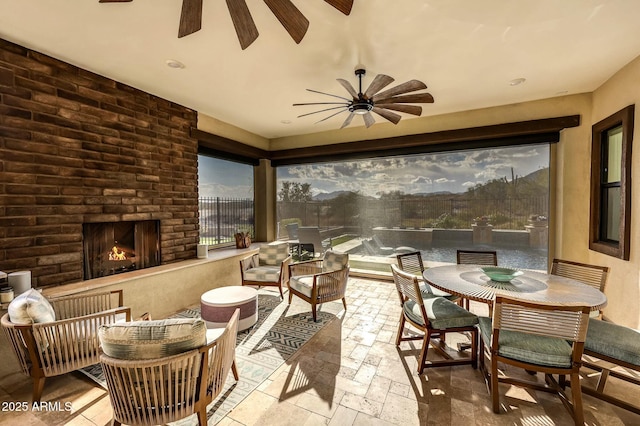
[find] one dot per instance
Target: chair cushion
(333, 261)
(441, 312)
(614, 341)
(152, 339)
(273, 254)
(302, 284)
(31, 307)
(267, 274)
(529, 348)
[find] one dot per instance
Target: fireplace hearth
(116, 247)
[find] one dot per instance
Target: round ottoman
(217, 306)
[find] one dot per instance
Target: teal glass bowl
(502, 275)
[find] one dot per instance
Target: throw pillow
(152, 339)
(334, 261)
(31, 307)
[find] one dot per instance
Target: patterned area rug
(280, 331)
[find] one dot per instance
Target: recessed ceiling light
(285, 121)
(517, 81)
(172, 63)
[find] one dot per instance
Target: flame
(116, 254)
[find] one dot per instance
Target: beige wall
(623, 287)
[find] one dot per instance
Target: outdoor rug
(280, 331)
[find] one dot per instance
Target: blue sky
(225, 179)
(424, 173)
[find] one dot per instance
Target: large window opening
(482, 199)
(225, 200)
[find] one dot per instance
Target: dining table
(469, 281)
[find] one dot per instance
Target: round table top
(229, 295)
(470, 282)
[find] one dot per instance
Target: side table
(217, 306)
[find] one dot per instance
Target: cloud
(422, 180)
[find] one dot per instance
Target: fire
(116, 254)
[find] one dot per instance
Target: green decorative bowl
(502, 275)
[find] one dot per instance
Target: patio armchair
(267, 268)
(476, 257)
(537, 337)
(592, 275)
(309, 239)
(434, 317)
(412, 264)
(185, 376)
(321, 280)
(55, 336)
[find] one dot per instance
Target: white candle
(20, 281)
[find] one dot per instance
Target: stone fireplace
(115, 247)
(78, 148)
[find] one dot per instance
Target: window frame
(599, 132)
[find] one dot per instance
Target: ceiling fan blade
(391, 116)
(115, 1)
(243, 22)
(409, 109)
(290, 17)
(343, 6)
(347, 121)
(418, 98)
(190, 17)
(322, 110)
(328, 94)
(332, 115)
(323, 103)
(349, 87)
(368, 119)
(409, 86)
(378, 83)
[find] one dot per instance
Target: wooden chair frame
(327, 286)
(568, 322)
(163, 390)
(606, 369)
(68, 343)
(408, 288)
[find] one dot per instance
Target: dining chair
(538, 337)
(476, 257)
(435, 317)
(412, 264)
(592, 275)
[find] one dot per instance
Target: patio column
(264, 183)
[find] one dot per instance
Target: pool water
(516, 257)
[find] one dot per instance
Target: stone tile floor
(350, 373)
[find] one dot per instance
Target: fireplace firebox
(117, 247)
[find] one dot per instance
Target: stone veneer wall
(78, 147)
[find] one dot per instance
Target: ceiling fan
(287, 13)
(373, 100)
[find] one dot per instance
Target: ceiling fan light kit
(373, 100)
(285, 11)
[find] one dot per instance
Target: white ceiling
(466, 51)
